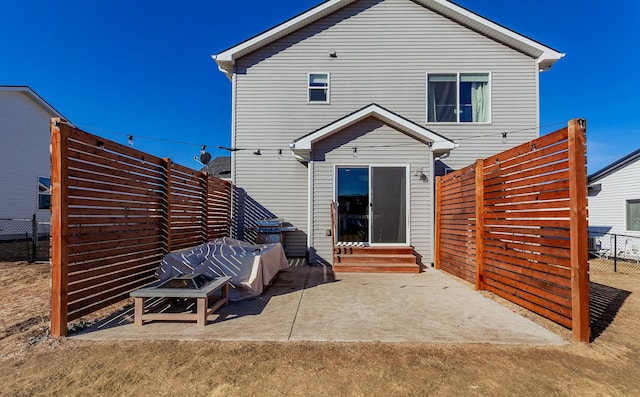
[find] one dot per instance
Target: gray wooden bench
(201, 296)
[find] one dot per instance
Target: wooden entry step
(359, 259)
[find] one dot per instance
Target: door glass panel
(353, 204)
(388, 191)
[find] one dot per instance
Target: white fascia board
(438, 142)
(226, 59)
(37, 99)
(545, 56)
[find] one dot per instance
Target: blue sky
(143, 67)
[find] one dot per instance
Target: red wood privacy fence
(515, 224)
(115, 212)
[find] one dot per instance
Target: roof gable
(438, 143)
(34, 96)
(545, 55)
(615, 166)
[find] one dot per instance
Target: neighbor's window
(44, 193)
(633, 215)
(319, 87)
(458, 97)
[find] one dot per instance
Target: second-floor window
(318, 87)
(458, 98)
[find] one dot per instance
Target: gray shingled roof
(219, 167)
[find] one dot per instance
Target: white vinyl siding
(608, 209)
(383, 51)
(24, 155)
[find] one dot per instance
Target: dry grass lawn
(32, 364)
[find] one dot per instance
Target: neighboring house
(614, 197)
(373, 97)
(219, 167)
(25, 159)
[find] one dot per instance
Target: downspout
(310, 239)
(432, 200)
(233, 233)
(297, 156)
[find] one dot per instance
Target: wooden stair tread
(377, 268)
(360, 250)
(377, 264)
(374, 255)
(377, 259)
(374, 259)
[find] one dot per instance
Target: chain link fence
(609, 252)
(24, 240)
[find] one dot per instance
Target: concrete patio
(311, 303)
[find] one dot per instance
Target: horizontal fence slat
(116, 251)
(87, 265)
(505, 194)
(78, 249)
(538, 181)
(545, 299)
(557, 293)
(533, 160)
(542, 276)
(106, 187)
(523, 149)
(527, 231)
(530, 255)
(514, 295)
(111, 274)
(105, 297)
(82, 272)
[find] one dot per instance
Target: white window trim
(369, 166)
(45, 193)
(626, 214)
(328, 101)
(426, 108)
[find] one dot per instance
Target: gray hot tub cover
(251, 267)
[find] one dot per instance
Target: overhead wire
(130, 137)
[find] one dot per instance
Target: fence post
(615, 253)
(167, 186)
(578, 230)
(204, 178)
(59, 226)
(34, 238)
(479, 170)
(436, 237)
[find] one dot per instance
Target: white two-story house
(362, 103)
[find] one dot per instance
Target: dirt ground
(33, 364)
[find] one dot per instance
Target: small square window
(318, 87)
